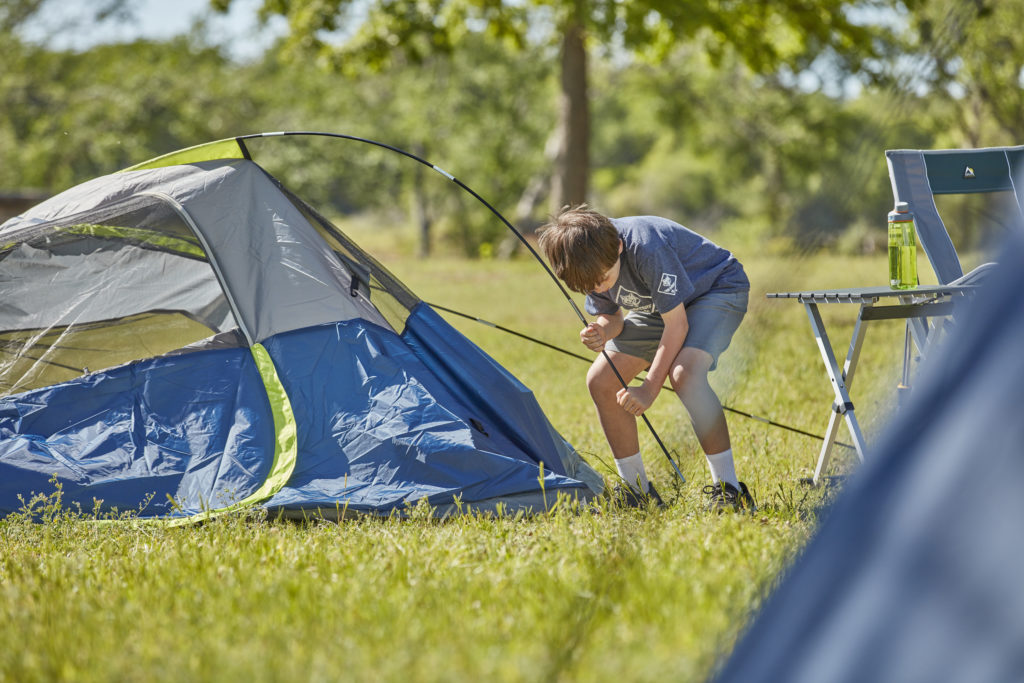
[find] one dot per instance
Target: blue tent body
(915, 574)
(188, 337)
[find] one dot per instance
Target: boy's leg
(713, 319)
(619, 426)
(689, 378)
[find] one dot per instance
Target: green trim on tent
(229, 148)
(165, 242)
(162, 241)
(286, 450)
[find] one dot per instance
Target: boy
(685, 296)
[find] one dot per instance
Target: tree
(733, 154)
(974, 57)
(444, 109)
(971, 62)
(767, 35)
(72, 115)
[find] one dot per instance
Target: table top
(866, 295)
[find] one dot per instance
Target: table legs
(841, 380)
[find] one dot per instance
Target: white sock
(632, 470)
(723, 468)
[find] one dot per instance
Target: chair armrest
(976, 276)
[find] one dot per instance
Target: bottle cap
(902, 207)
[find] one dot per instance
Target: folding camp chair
(919, 175)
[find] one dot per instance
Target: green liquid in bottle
(902, 266)
(902, 248)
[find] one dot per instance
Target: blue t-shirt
(664, 264)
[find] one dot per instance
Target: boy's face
(610, 276)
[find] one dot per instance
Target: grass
(620, 595)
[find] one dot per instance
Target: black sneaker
(625, 497)
(724, 494)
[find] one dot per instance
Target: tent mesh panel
(121, 283)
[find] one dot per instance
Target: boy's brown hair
(581, 245)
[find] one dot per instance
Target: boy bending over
(685, 297)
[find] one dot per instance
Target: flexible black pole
(500, 217)
(541, 342)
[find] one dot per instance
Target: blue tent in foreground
(915, 575)
(188, 337)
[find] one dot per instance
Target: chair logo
(968, 172)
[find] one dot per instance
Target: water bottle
(902, 248)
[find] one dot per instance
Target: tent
(187, 337)
(914, 575)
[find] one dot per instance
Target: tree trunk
(572, 162)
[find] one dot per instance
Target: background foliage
(786, 153)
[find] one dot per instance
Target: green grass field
(619, 596)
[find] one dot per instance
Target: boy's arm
(636, 400)
(606, 326)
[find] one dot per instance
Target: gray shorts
(713, 320)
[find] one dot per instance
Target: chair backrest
(918, 175)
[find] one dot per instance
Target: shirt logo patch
(667, 284)
(632, 300)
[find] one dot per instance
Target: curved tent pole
(540, 342)
(235, 148)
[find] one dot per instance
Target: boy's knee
(595, 381)
(601, 381)
(689, 371)
(680, 377)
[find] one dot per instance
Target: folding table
(876, 303)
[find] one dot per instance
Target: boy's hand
(592, 337)
(635, 400)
